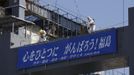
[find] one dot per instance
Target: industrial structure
(56, 22)
(40, 40)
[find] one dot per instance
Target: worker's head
(42, 32)
(89, 18)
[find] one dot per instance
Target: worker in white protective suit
(90, 25)
(42, 34)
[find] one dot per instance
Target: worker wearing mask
(42, 34)
(90, 25)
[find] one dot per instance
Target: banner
(88, 45)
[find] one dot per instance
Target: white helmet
(90, 24)
(90, 19)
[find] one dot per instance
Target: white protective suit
(42, 35)
(91, 25)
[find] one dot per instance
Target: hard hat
(89, 18)
(42, 32)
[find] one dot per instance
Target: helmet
(42, 32)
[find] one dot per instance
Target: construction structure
(56, 23)
(66, 48)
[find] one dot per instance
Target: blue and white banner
(77, 47)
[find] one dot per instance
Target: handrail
(31, 5)
(2, 11)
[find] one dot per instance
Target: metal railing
(2, 12)
(45, 10)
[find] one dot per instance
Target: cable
(56, 1)
(123, 3)
(81, 17)
(123, 11)
(77, 7)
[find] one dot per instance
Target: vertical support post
(25, 31)
(13, 27)
(19, 8)
(130, 40)
(5, 52)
